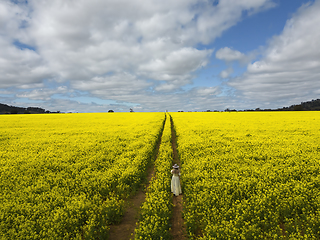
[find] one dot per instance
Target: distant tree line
(6, 109)
(313, 105)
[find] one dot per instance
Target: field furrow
(156, 211)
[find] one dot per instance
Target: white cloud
(11, 18)
(226, 73)
(42, 94)
(176, 65)
(208, 91)
(114, 48)
(229, 55)
(290, 68)
(115, 86)
(166, 87)
(6, 92)
(17, 66)
(21, 67)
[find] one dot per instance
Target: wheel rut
(178, 230)
(125, 229)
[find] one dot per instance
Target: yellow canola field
(250, 175)
(65, 176)
(156, 211)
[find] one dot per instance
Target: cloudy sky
(151, 55)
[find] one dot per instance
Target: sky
(153, 56)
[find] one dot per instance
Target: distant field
(64, 176)
(250, 175)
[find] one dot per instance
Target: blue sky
(250, 34)
(191, 55)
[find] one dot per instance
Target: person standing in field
(175, 181)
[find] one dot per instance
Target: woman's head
(175, 166)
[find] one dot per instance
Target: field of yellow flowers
(245, 175)
(156, 211)
(250, 175)
(65, 176)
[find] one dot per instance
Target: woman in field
(175, 182)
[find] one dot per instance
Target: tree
(111, 111)
(14, 111)
(298, 108)
(131, 110)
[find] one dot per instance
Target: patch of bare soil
(125, 229)
(178, 230)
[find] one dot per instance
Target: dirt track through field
(178, 229)
(125, 229)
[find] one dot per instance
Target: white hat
(175, 166)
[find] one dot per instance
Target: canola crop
(66, 176)
(250, 175)
(156, 211)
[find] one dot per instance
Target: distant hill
(313, 105)
(6, 109)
